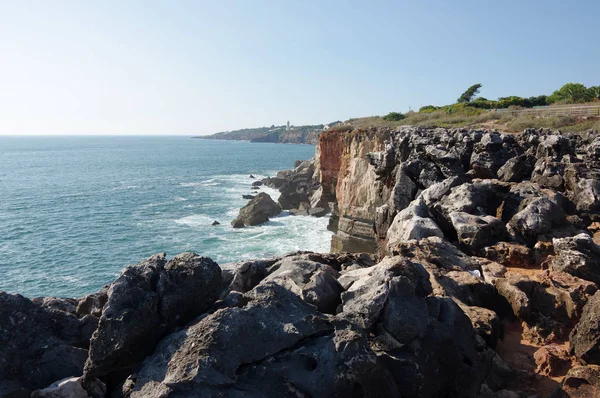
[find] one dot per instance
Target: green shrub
(393, 117)
(427, 109)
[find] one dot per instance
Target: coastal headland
(465, 263)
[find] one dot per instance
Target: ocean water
(75, 210)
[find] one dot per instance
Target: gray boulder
(577, 255)
(73, 387)
(413, 222)
(476, 232)
(277, 345)
(146, 301)
(257, 211)
(539, 217)
(38, 344)
(585, 337)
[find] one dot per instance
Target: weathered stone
(476, 232)
(580, 382)
(414, 222)
(551, 360)
(288, 347)
(539, 217)
(143, 303)
(579, 256)
(257, 211)
(39, 345)
(73, 387)
(585, 337)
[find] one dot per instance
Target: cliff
(483, 283)
(307, 134)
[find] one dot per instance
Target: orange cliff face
(348, 179)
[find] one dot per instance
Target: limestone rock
(257, 211)
(476, 232)
(585, 337)
(287, 347)
(39, 345)
(414, 222)
(73, 387)
(143, 303)
(579, 256)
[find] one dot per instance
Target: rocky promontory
(464, 263)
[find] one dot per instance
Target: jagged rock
(580, 382)
(92, 304)
(318, 211)
(287, 347)
(549, 305)
(257, 211)
(578, 255)
(486, 323)
(257, 184)
(367, 289)
(539, 217)
(251, 176)
(549, 174)
(551, 360)
(439, 252)
(73, 387)
(314, 282)
(249, 197)
(414, 222)
(144, 303)
(516, 169)
(491, 271)
(476, 232)
(585, 337)
(39, 345)
(215, 223)
(510, 254)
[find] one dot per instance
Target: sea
(75, 210)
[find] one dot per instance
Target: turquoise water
(75, 210)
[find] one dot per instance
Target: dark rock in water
(73, 387)
(214, 223)
(577, 255)
(585, 337)
(288, 347)
(318, 211)
(251, 176)
(146, 301)
(250, 197)
(39, 345)
(257, 211)
(237, 223)
(256, 184)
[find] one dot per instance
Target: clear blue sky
(198, 67)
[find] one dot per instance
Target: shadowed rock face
(146, 301)
(39, 345)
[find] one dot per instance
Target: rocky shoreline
(474, 273)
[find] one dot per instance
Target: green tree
(570, 93)
(468, 95)
(393, 117)
(594, 93)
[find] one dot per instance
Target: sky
(199, 67)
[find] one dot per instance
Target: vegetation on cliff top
(505, 114)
